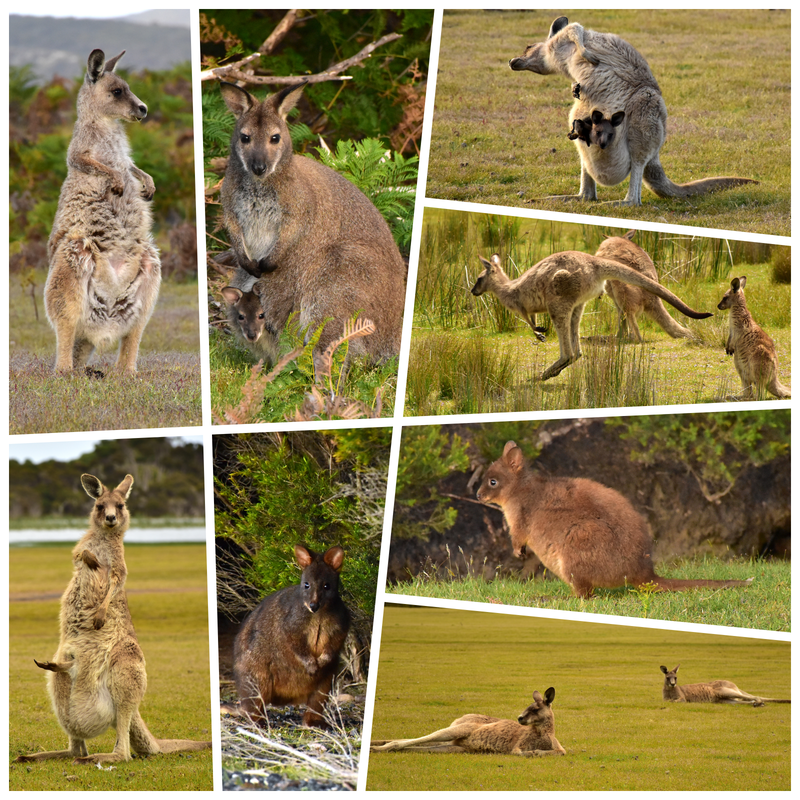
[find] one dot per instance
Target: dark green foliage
(782, 264)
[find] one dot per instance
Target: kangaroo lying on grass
(533, 734)
(712, 692)
(611, 74)
(596, 129)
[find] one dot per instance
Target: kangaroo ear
(663, 669)
(92, 486)
(616, 119)
(334, 557)
(742, 282)
(237, 99)
(513, 457)
(735, 284)
(303, 556)
(496, 261)
(112, 62)
(285, 100)
(629, 235)
(96, 65)
(484, 263)
(677, 668)
(558, 25)
(597, 116)
(231, 295)
(549, 696)
(125, 486)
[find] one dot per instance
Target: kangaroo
(712, 692)
(247, 320)
(607, 72)
(97, 678)
(533, 734)
(561, 285)
(596, 129)
(105, 271)
(585, 533)
(321, 247)
(752, 349)
(632, 301)
(287, 650)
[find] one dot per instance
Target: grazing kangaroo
(712, 692)
(610, 73)
(533, 734)
(561, 285)
(97, 678)
(287, 650)
(752, 349)
(585, 533)
(321, 247)
(596, 129)
(632, 301)
(105, 272)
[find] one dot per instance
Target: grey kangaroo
(287, 650)
(711, 692)
(752, 349)
(247, 320)
(611, 74)
(561, 285)
(319, 246)
(596, 129)
(97, 678)
(105, 272)
(585, 533)
(532, 734)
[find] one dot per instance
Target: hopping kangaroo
(561, 285)
(105, 272)
(585, 533)
(711, 692)
(752, 349)
(320, 246)
(97, 678)
(533, 734)
(612, 75)
(287, 650)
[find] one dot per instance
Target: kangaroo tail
(659, 314)
(679, 585)
(144, 743)
(656, 179)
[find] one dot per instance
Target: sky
(64, 451)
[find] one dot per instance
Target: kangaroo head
(539, 713)
(603, 129)
(110, 511)
(104, 95)
(244, 310)
(320, 579)
(733, 294)
(492, 273)
(501, 478)
(670, 676)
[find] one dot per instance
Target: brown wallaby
(596, 129)
(97, 678)
(248, 321)
(287, 650)
(533, 734)
(585, 533)
(633, 301)
(321, 247)
(105, 272)
(711, 692)
(561, 285)
(607, 72)
(752, 349)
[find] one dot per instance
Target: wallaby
(632, 301)
(585, 533)
(248, 321)
(561, 285)
(533, 734)
(97, 678)
(287, 650)
(105, 272)
(596, 129)
(321, 247)
(610, 73)
(711, 692)
(752, 349)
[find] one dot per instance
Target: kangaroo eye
(116, 92)
(493, 482)
(244, 138)
(261, 316)
(275, 138)
(120, 506)
(241, 317)
(305, 585)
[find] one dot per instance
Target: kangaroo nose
(259, 167)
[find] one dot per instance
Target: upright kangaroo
(596, 129)
(613, 75)
(97, 678)
(287, 650)
(105, 272)
(321, 247)
(752, 349)
(588, 535)
(533, 734)
(561, 285)
(712, 692)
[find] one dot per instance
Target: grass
(168, 601)
(437, 664)
(501, 137)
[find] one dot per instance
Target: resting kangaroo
(248, 321)
(105, 272)
(561, 285)
(712, 692)
(588, 535)
(752, 349)
(533, 734)
(97, 677)
(611, 75)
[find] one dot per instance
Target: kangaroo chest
(260, 217)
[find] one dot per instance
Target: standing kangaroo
(533, 734)
(97, 678)
(712, 692)
(752, 349)
(321, 247)
(588, 535)
(561, 285)
(105, 272)
(611, 75)
(287, 650)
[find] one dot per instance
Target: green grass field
(168, 600)
(436, 665)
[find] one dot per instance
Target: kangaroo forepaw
(89, 559)
(576, 93)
